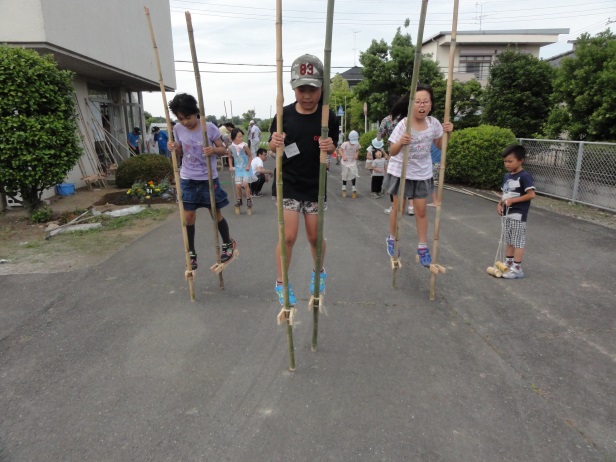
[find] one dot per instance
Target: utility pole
(480, 14)
(355, 32)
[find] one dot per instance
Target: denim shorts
(413, 189)
(196, 194)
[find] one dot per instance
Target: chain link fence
(578, 171)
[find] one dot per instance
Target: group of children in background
(301, 163)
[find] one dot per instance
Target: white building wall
(21, 21)
(108, 32)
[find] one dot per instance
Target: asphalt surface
(116, 363)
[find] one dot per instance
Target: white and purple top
(419, 165)
(194, 166)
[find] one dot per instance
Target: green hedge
(146, 167)
(473, 156)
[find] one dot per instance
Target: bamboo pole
(395, 260)
(206, 142)
(316, 300)
(286, 311)
(189, 273)
(434, 267)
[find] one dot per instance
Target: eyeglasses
(423, 103)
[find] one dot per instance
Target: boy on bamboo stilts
(189, 144)
(302, 143)
(419, 182)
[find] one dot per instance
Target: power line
(246, 64)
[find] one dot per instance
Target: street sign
(340, 111)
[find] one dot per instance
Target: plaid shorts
(515, 232)
(308, 207)
(436, 168)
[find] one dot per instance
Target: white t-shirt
(350, 151)
(255, 134)
(419, 166)
(255, 164)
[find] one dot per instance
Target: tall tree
(387, 72)
(248, 116)
(38, 131)
(585, 91)
(466, 100)
(518, 93)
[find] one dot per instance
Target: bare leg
(291, 225)
(191, 217)
(393, 216)
(421, 219)
(312, 228)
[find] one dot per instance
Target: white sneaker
(387, 211)
(513, 274)
(411, 211)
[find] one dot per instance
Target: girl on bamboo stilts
(302, 143)
(242, 157)
(419, 182)
(189, 144)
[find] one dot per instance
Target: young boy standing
(518, 191)
(302, 143)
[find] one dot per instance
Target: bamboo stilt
(441, 174)
(395, 260)
(206, 143)
(316, 300)
(189, 273)
(286, 311)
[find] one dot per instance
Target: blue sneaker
(391, 242)
(280, 292)
(322, 278)
(424, 256)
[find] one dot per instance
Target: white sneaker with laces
(410, 210)
(513, 273)
(388, 210)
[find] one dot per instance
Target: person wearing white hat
(254, 136)
(350, 153)
(375, 144)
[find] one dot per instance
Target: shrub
(41, 215)
(364, 142)
(38, 131)
(146, 167)
(473, 156)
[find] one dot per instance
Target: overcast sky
(238, 33)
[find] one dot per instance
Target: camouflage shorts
(309, 207)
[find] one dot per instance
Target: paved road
(116, 363)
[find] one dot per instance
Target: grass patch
(155, 214)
